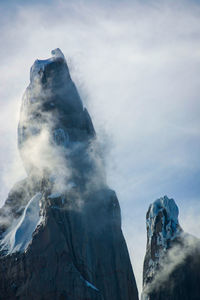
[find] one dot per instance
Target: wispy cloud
(175, 258)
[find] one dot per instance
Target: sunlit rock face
(172, 260)
(60, 227)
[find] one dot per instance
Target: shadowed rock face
(172, 260)
(55, 130)
(61, 232)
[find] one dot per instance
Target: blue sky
(137, 67)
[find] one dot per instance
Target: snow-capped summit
(162, 218)
(63, 238)
(164, 203)
(57, 53)
(172, 260)
(54, 124)
(162, 228)
(40, 64)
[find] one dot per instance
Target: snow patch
(54, 195)
(91, 285)
(19, 235)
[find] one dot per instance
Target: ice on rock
(91, 285)
(170, 269)
(57, 53)
(165, 203)
(19, 235)
(39, 65)
(169, 211)
(162, 228)
(80, 230)
(88, 284)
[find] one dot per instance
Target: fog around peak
(136, 66)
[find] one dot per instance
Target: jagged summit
(57, 53)
(40, 64)
(172, 260)
(162, 218)
(63, 238)
(162, 228)
(54, 125)
(164, 203)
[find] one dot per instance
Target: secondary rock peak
(164, 204)
(57, 53)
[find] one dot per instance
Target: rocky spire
(162, 228)
(53, 118)
(167, 254)
(62, 239)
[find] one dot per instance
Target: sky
(136, 65)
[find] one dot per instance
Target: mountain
(60, 232)
(172, 260)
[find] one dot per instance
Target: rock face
(172, 260)
(61, 232)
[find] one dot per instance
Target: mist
(176, 256)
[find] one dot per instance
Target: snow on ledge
(91, 285)
(19, 235)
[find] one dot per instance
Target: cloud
(175, 257)
(136, 66)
